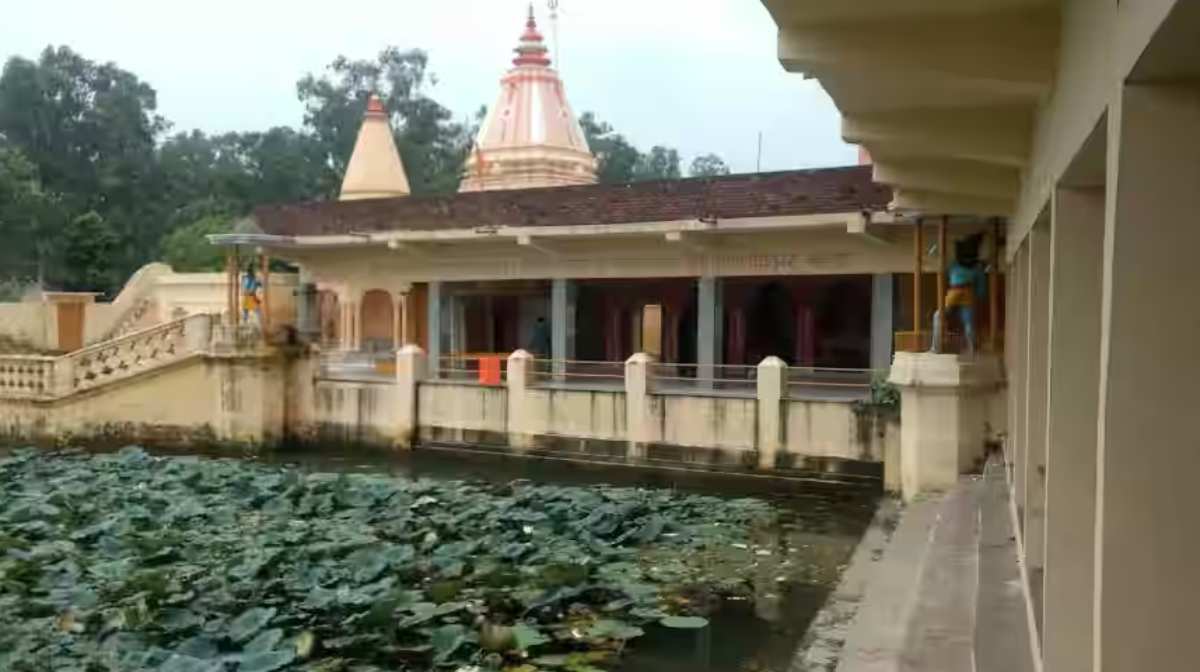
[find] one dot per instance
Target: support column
(433, 323)
(707, 328)
(994, 290)
(882, 287)
(1017, 384)
(771, 383)
(1076, 259)
(918, 254)
(1036, 370)
(562, 324)
(1147, 541)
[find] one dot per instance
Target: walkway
(946, 594)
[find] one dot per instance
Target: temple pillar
(1148, 461)
(882, 328)
(1076, 276)
(433, 323)
(1036, 370)
(563, 293)
(709, 326)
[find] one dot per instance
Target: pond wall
(636, 424)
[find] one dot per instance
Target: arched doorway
(329, 315)
(771, 324)
(378, 321)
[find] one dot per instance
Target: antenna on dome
(553, 6)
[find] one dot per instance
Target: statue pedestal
(947, 403)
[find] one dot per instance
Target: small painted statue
(251, 295)
(967, 280)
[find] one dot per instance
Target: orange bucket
(489, 370)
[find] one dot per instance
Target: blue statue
(251, 299)
(967, 280)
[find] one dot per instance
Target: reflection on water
(796, 564)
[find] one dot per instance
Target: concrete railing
(32, 377)
(26, 376)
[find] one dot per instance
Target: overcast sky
(698, 75)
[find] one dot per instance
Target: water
(798, 563)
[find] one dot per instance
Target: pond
(339, 560)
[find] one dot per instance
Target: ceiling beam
(1000, 135)
(1009, 52)
(941, 203)
(968, 178)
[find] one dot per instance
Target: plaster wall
(462, 413)
(30, 324)
(727, 424)
(355, 412)
(588, 414)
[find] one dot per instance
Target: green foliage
(884, 397)
(131, 562)
(89, 255)
(708, 165)
(660, 163)
(187, 248)
(617, 156)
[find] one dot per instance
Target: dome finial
(532, 49)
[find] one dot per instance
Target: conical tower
(530, 138)
(375, 169)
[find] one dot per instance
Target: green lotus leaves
(128, 561)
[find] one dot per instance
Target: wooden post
(235, 288)
(941, 283)
(917, 252)
(994, 288)
(264, 263)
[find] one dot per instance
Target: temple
(530, 137)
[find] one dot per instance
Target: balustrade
(26, 376)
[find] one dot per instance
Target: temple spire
(375, 169)
(531, 137)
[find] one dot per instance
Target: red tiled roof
(794, 192)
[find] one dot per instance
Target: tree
(29, 216)
(89, 254)
(187, 248)
(660, 163)
(708, 165)
(433, 147)
(91, 130)
(616, 156)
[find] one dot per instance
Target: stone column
(1017, 371)
(433, 322)
(640, 405)
(772, 384)
(520, 371)
(1077, 254)
(411, 369)
(1036, 368)
(1149, 455)
(562, 324)
(882, 286)
(708, 329)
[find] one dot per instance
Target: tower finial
(532, 48)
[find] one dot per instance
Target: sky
(697, 75)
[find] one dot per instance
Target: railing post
(64, 375)
(772, 381)
(197, 333)
(411, 366)
(639, 403)
(520, 369)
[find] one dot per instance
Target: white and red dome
(530, 137)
